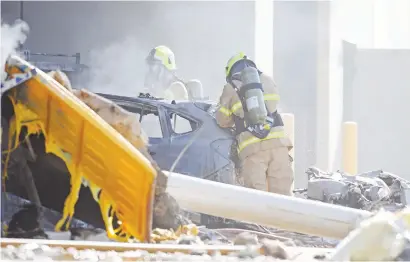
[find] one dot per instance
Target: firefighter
(161, 79)
(249, 104)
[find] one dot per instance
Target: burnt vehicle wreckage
(367, 191)
(171, 127)
(183, 137)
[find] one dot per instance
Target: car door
(149, 115)
(184, 131)
(158, 134)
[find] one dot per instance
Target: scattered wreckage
(364, 191)
(184, 138)
(380, 237)
(56, 162)
(368, 191)
(171, 127)
(57, 123)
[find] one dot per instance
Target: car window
(181, 125)
(151, 125)
(150, 122)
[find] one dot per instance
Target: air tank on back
(253, 98)
(194, 88)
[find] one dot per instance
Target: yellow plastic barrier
(91, 149)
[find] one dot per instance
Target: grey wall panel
(295, 27)
(381, 89)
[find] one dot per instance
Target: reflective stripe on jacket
(248, 144)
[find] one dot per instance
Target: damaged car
(183, 137)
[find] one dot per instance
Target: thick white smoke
(116, 68)
(11, 37)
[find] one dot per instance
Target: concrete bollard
(289, 122)
(349, 154)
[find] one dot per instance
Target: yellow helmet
(234, 60)
(163, 55)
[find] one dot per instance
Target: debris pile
(382, 237)
(258, 245)
(247, 247)
(14, 207)
(264, 252)
(368, 191)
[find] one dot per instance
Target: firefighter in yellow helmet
(161, 79)
(249, 104)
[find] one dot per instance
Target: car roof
(204, 105)
(154, 100)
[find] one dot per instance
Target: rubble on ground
(258, 246)
(368, 191)
(11, 204)
(376, 191)
(267, 251)
(188, 234)
(382, 237)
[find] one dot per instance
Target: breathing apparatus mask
(157, 77)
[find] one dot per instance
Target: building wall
(368, 24)
(380, 103)
(295, 55)
(391, 24)
(375, 23)
(376, 63)
(116, 36)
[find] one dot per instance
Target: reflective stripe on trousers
(253, 140)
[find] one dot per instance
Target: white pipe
(239, 203)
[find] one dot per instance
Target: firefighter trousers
(269, 170)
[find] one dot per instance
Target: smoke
(187, 28)
(11, 37)
(116, 69)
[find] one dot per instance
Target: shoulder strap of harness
(274, 119)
